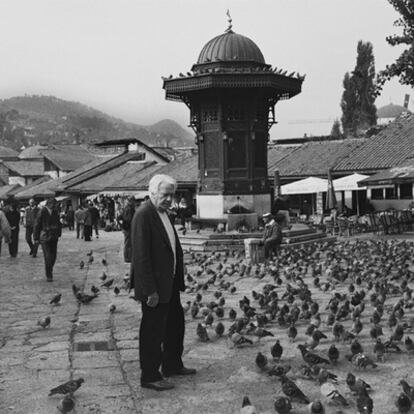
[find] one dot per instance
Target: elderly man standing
(157, 273)
(4, 229)
(30, 217)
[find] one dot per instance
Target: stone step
(304, 237)
(191, 235)
(238, 244)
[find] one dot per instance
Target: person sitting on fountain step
(272, 237)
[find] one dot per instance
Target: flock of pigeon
(348, 305)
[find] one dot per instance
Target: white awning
(349, 183)
(308, 185)
(137, 194)
(62, 197)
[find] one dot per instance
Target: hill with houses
(44, 120)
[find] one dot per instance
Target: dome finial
(229, 20)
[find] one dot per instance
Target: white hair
(157, 180)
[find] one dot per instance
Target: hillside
(30, 120)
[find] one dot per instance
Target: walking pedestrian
(13, 217)
(47, 231)
(31, 213)
(87, 227)
(5, 231)
(80, 221)
(157, 274)
(95, 218)
(125, 223)
(70, 217)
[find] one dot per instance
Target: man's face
(32, 203)
(163, 199)
(50, 204)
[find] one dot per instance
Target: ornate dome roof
(391, 111)
(230, 46)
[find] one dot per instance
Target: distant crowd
(91, 216)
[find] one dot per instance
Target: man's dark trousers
(49, 254)
(14, 243)
(29, 239)
(161, 338)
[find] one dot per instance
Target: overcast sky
(111, 54)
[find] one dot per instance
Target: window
(237, 150)
(210, 113)
(260, 150)
(377, 194)
(234, 112)
(262, 112)
(390, 193)
(406, 191)
(211, 151)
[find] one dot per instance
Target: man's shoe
(181, 371)
(161, 385)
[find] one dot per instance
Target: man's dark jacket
(47, 221)
(152, 265)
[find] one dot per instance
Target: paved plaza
(89, 341)
(102, 347)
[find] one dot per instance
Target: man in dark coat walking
(13, 217)
(47, 230)
(157, 273)
(31, 213)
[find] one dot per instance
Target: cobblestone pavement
(89, 341)
(33, 359)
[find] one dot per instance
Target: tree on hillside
(403, 67)
(358, 99)
(336, 129)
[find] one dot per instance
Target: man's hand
(153, 300)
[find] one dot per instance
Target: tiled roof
(276, 154)
(184, 170)
(310, 159)
(68, 159)
(43, 187)
(166, 152)
(98, 168)
(389, 148)
(26, 168)
(6, 152)
(32, 152)
(124, 176)
(8, 190)
(400, 174)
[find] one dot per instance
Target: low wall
(384, 204)
(234, 221)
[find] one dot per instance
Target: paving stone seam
(72, 332)
(118, 357)
(135, 400)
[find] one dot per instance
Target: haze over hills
(35, 119)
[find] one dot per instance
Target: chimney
(406, 100)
